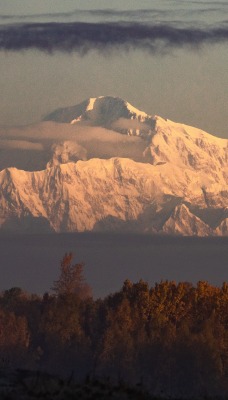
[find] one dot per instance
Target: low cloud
(65, 142)
(53, 131)
(20, 145)
(82, 37)
(124, 123)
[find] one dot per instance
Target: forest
(170, 339)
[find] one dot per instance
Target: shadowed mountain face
(107, 112)
(114, 168)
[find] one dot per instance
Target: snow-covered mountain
(107, 112)
(151, 176)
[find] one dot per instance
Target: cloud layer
(20, 145)
(63, 143)
(82, 37)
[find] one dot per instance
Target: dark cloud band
(82, 37)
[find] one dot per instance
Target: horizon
(110, 259)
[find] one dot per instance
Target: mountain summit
(112, 167)
(107, 112)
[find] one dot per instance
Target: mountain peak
(150, 175)
(108, 112)
(183, 222)
(108, 104)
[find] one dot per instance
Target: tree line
(171, 338)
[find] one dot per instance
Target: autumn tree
(14, 337)
(71, 279)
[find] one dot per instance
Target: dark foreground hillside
(31, 385)
(28, 385)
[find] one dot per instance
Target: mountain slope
(108, 112)
(109, 166)
(189, 147)
(183, 222)
(88, 195)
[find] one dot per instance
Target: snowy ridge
(183, 222)
(189, 147)
(91, 103)
(109, 166)
(117, 194)
(135, 111)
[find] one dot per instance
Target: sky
(165, 57)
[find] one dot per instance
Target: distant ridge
(119, 169)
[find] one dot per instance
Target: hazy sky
(110, 259)
(166, 57)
